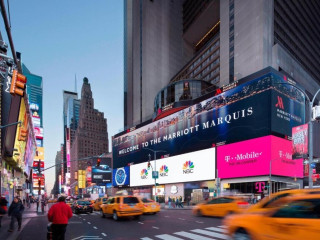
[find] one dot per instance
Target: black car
(82, 206)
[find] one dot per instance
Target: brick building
(91, 136)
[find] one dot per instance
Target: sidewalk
(28, 214)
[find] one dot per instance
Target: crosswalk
(209, 233)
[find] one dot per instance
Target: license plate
(85, 207)
(132, 206)
(153, 206)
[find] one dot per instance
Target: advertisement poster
(195, 166)
(68, 146)
(121, 177)
(242, 113)
(300, 141)
(252, 158)
(102, 173)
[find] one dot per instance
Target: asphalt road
(168, 225)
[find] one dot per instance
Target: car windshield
(84, 203)
(129, 200)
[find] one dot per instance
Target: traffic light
(18, 83)
(149, 165)
(98, 162)
(22, 136)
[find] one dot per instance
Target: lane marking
(89, 222)
(87, 237)
(155, 227)
(140, 222)
(222, 226)
(211, 234)
(168, 237)
(217, 229)
(181, 219)
(192, 236)
(198, 222)
(95, 227)
(146, 238)
(104, 234)
(167, 216)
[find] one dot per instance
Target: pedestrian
(180, 202)
(188, 200)
(177, 202)
(38, 202)
(24, 201)
(15, 211)
(169, 202)
(59, 214)
(3, 207)
(28, 201)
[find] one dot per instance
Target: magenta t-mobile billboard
(252, 158)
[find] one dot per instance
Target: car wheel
(137, 217)
(91, 211)
(102, 214)
(76, 211)
(115, 216)
(199, 213)
(241, 234)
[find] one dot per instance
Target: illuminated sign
(68, 146)
(121, 176)
(38, 131)
(40, 151)
(300, 141)
(195, 166)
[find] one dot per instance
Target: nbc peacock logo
(188, 167)
(144, 174)
(164, 171)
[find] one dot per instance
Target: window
(225, 200)
(130, 200)
(118, 200)
(300, 209)
(271, 203)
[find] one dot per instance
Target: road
(168, 225)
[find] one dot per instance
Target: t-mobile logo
(227, 158)
(260, 186)
(280, 103)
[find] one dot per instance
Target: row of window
(205, 54)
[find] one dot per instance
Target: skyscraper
(218, 41)
(91, 136)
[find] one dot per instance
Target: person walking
(3, 207)
(38, 202)
(177, 202)
(169, 202)
(15, 212)
(59, 214)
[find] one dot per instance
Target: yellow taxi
(99, 201)
(52, 200)
(278, 199)
(298, 219)
(150, 206)
(122, 206)
(69, 202)
(221, 206)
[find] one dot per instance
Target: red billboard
(300, 141)
(252, 158)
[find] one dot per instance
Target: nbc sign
(195, 166)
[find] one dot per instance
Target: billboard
(300, 141)
(245, 112)
(40, 155)
(89, 174)
(68, 146)
(38, 132)
(81, 178)
(102, 173)
(189, 167)
(252, 158)
(121, 177)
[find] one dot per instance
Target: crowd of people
(175, 202)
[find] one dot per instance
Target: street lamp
(11, 124)
(155, 168)
(310, 145)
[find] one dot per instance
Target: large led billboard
(102, 173)
(121, 177)
(252, 158)
(189, 167)
(254, 109)
(68, 148)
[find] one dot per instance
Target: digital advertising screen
(252, 158)
(102, 173)
(121, 177)
(254, 109)
(189, 167)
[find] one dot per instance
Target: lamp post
(310, 127)
(155, 168)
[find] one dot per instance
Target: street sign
(155, 174)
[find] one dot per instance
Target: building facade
(91, 136)
(218, 41)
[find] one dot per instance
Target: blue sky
(59, 39)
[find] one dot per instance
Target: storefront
(259, 166)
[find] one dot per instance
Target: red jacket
(59, 213)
